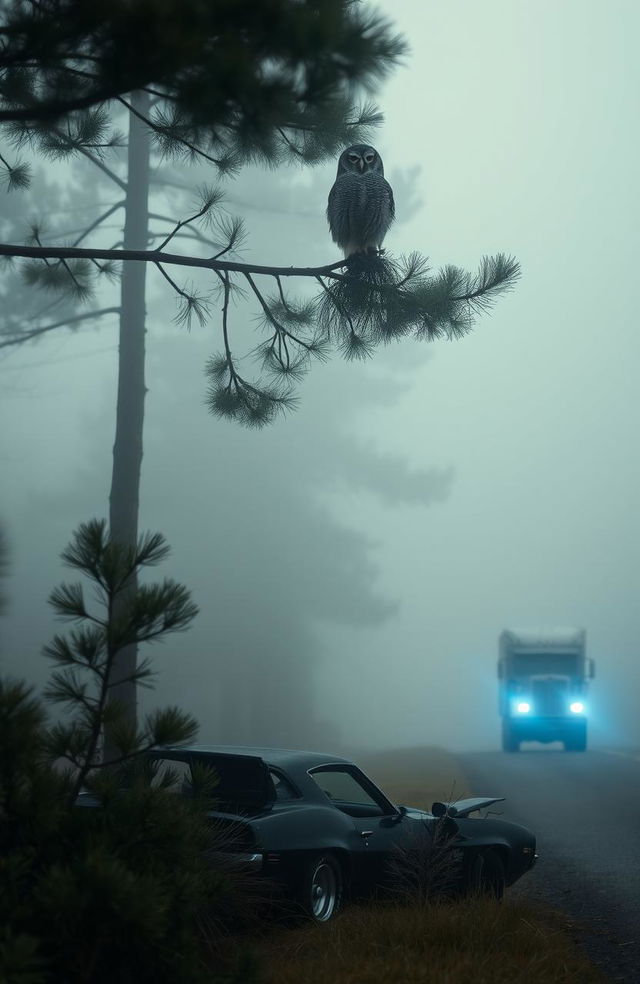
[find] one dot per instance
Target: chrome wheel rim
(324, 892)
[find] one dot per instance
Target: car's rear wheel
(487, 875)
(323, 888)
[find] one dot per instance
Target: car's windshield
(531, 664)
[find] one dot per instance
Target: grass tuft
(475, 940)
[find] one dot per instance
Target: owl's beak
(361, 164)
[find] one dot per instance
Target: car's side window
(347, 792)
(171, 774)
(284, 789)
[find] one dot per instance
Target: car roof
(285, 758)
(295, 763)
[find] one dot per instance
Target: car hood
(459, 809)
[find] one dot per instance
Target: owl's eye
(354, 158)
(369, 158)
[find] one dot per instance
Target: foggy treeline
(355, 561)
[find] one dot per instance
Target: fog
(355, 562)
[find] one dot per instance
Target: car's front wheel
(487, 875)
(323, 888)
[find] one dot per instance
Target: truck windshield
(532, 664)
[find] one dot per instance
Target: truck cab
(543, 687)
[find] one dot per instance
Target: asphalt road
(585, 811)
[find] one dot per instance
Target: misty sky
(362, 555)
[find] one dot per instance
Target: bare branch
(99, 221)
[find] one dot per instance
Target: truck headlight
(576, 707)
(523, 707)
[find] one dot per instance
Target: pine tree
(120, 890)
(130, 615)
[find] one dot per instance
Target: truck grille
(550, 697)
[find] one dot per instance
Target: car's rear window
(172, 775)
(239, 780)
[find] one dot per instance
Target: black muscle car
(318, 828)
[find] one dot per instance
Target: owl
(361, 206)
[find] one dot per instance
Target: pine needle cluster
(379, 299)
(366, 301)
(231, 82)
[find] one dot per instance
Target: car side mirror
(401, 814)
(443, 810)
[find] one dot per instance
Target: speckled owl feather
(361, 207)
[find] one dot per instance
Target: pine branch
(193, 303)
(158, 256)
(98, 222)
(211, 197)
(16, 175)
(187, 233)
(365, 300)
(25, 336)
(160, 132)
(103, 167)
(52, 109)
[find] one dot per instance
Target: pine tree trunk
(127, 448)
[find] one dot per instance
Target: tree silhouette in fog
(276, 91)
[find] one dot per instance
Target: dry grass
(477, 940)
(416, 776)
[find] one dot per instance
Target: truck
(543, 679)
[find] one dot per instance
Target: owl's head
(359, 159)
